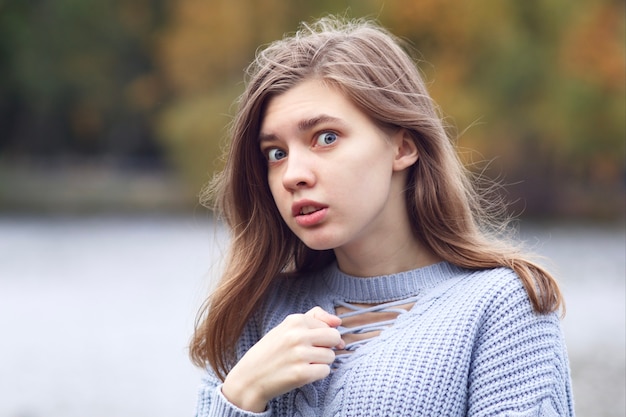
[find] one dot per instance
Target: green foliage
(202, 53)
(68, 68)
(194, 131)
(539, 84)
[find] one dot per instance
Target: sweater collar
(383, 288)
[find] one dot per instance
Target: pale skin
(338, 181)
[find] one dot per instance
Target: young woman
(364, 277)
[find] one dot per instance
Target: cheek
(370, 181)
(369, 167)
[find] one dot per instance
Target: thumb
(320, 314)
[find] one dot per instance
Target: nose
(299, 171)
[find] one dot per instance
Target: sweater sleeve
(519, 364)
(212, 403)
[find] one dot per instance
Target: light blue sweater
(470, 346)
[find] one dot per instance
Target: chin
(319, 244)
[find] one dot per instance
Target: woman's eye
(276, 154)
(326, 138)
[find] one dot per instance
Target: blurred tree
(539, 84)
(75, 77)
(202, 53)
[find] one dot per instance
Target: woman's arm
(296, 352)
(519, 364)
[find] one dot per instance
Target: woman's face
(334, 175)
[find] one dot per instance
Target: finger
(325, 337)
(318, 371)
(320, 314)
(320, 355)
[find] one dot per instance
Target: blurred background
(113, 115)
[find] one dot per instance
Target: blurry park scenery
(113, 115)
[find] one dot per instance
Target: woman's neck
(386, 257)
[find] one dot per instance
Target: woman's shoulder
(494, 282)
(475, 283)
(291, 294)
(489, 282)
(293, 289)
(284, 297)
(489, 291)
(498, 297)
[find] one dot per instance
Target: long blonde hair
(372, 69)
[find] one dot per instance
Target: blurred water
(95, 314)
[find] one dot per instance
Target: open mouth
(308, 210)
(310, 215)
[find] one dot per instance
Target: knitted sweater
(470, 346)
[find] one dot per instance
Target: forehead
(309, 102)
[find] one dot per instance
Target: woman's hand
(296, 352)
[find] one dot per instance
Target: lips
(308, 210)
(308, 213)
(305, 207)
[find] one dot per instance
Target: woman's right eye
(276, 154)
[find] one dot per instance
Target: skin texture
(358, 179)
(338, 182)
(296, 352)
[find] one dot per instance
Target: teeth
(307, 210)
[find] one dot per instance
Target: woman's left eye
(326, 138)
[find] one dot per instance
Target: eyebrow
(304, 126)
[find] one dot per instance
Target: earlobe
(406, 150)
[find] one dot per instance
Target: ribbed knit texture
(470, 346)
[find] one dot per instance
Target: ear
(406, 150)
